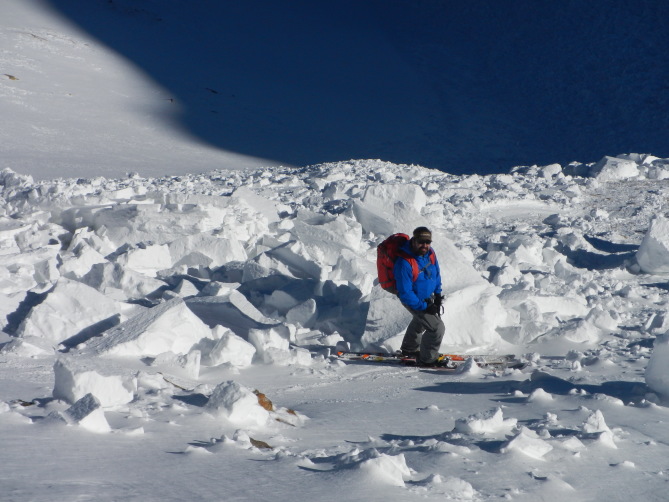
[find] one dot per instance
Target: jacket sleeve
(404, 281)
(437, 289)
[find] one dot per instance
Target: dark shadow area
(610, 247)
(197, 399)
(338, 306)
(659, 285)
(215, 310)
(454, 438)
(617, 255)
(595, 261)
(463, 86)
(625, 391)
(15, 318)
(95, 329)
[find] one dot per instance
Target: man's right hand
(433, 309)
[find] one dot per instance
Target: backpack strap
(414, 263)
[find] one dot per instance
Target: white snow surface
(170, 334)
(145, 379)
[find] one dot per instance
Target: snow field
(161, 309)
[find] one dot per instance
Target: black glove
(438, 299)
(433, 309)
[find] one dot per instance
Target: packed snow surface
(173, 338)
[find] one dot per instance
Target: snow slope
(106, 87)
(75, 108)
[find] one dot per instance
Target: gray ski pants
(431, 327)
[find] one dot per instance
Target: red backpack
(387, 253)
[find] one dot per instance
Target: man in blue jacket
(418, 280)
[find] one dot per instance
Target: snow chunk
(231, 349)
(186, 364)
(613, 168)
(113, 279)
(539, 395)
(304, 314)
(78, 263)
(29, 346)
(657, 376)
(529, 443)
(272, 344)
(238, 404)
(386, 469)
(595, 426)
(489, 422)
(75, 379)
(147, 260)
(87, 413)
(452, 487)
(377, 215)
(653, 253)
(205, 249)
(167, 327)
(68, 309)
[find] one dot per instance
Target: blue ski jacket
(413, 294)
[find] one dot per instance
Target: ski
(446, 361)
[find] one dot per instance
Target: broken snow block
(74, 379)
(187, 364)
(238, 404)
(613, 168)
(167, 327)
(232, 349)
(271, 343)
(653, 253)
(206, 249)
(657, 377)
(304, 314)
(29, 346)
(595, 427)
(87, 413)
(528, 443)
(113, 278)
(301, 356)
(68, 310)
(147, 260)
(79, 262)
(489, 422)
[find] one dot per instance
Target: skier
(422, 297)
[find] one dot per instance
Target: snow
(171, 334)
(167, 330)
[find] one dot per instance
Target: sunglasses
(424, 242)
